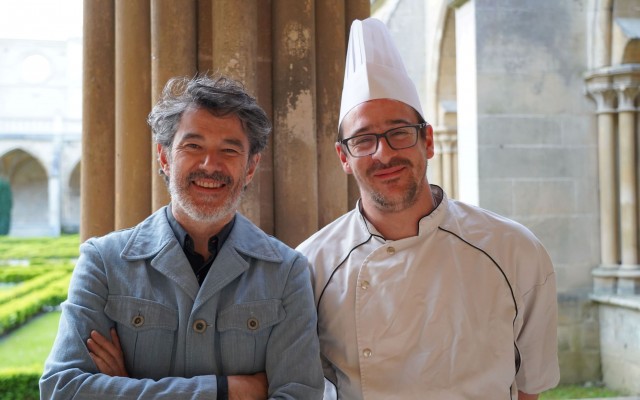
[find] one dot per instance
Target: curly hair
(219, 95)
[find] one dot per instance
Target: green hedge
(20, 384)
(20, 274)
(64, 247)
(15, 312)
(32, 285)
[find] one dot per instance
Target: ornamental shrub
(6, 202)
(15, 312)
(20, 384)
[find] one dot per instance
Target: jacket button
(391, 250)
(367, 353)
(200, 326)
(253, 324)
(137, 321)
(364, 285)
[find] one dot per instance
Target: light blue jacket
(254, 312)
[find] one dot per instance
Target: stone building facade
(40, 111)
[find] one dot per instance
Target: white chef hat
(374, 69)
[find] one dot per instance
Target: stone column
(235, 37)
(629, 275)
(434, 168)
(447, 141)
(354, 9)
(294, 120)
(98, 120)
(133, 102)
(173, 53)
(264, 177)
(330, 59)
(55, 195)
(605, 277)
(628, 176)
(607, 177)
(601, 48)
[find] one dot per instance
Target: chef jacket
(466, 309)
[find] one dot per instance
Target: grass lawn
(30, 344)
(579, 392)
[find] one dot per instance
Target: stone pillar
(264, 177)
(294, 120)
(628, 176)
(55, 195)
(607, 177)
(605, 278)
(602, 34)
(330, 59)
(133, 102)
(434, 168)
(629, 275)
(235, 38)
(447, 141)
(205, 37)
(98, 120)
(173, 53)
(354, 9)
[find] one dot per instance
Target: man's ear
(429, 144)
(252, 166)
(162, 159)
(344, 159)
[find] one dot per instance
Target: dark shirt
(199, 265)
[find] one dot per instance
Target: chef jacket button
(367, 353)
(137, 321)
(391, 250)
(364, 285)
(253, 324)
(200, 325)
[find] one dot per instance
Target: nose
(384, 152)
(209, 162)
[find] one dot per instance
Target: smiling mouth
(388, 172)
(208, 184)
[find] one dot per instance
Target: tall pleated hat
(374, 69)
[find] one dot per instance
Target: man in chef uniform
(420, 296)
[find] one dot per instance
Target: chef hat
(374, 69)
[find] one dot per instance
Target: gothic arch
(29, 186)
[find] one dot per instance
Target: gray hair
(219, 95)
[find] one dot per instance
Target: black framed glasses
(398, 138)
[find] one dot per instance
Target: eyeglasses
(398, 138)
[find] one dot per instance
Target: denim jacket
(254, 312)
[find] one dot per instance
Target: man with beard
(420, 296)
(197, 301)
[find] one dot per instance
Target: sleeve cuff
(223, 388)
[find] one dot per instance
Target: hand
(107, 355)
(248, 387)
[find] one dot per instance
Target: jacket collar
(154, 239)
(154, 234)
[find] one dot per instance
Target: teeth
(209, 185)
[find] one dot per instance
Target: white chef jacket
(466, 309)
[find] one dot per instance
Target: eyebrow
(390, 122)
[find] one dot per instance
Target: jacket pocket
(244, 332)
(147, 333)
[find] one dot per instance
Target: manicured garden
(34, 276)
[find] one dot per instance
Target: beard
(390, 202)
(206, 211)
